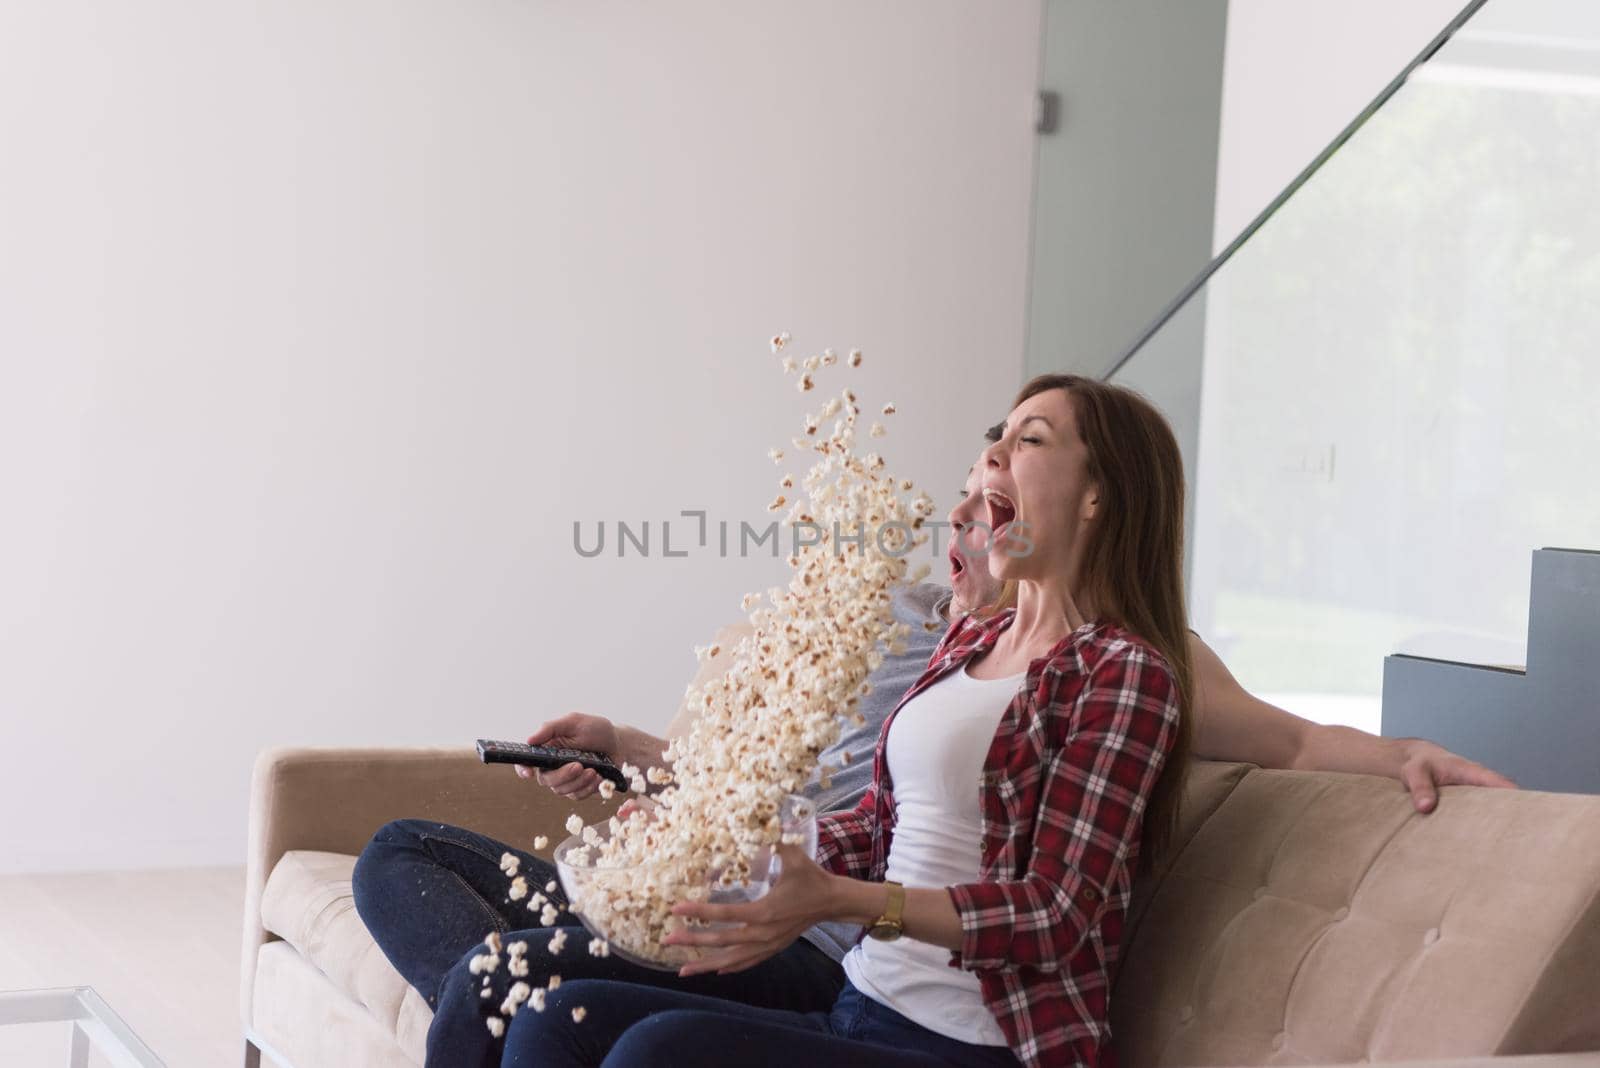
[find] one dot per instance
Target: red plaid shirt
(1063, 793)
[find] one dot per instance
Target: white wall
(320, 324)
(1125, 192)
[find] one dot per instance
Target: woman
(1066, 710)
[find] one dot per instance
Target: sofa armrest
(335, 799)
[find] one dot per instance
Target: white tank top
(936, 751)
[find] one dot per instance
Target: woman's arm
(929, 914)
(805, 896)
(1233, 724)
(844, 839)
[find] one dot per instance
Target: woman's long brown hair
(1132, 570)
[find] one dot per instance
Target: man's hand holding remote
(579, 730)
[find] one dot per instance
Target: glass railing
(1390, 382)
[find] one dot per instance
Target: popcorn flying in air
(761, 726)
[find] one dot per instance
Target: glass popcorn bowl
(624, 904)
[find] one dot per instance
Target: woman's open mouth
(1002, 510)
(958, 562)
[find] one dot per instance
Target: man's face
(970, 579)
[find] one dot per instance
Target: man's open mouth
(1002, 509)
(958, 562)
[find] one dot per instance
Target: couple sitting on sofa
(1077, 710)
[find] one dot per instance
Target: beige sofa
(1305, 918)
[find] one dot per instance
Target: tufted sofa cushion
(1317, 918)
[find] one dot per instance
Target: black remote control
(548, 757)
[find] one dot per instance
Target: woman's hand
(803, 896)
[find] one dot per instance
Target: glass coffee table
(91, 1026)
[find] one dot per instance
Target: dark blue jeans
(626, 1025)
(430, 893)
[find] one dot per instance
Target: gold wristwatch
(888, 927)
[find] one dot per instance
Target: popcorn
(578, 1013)
(496, 1026)
(540, 841)
(509, 863)
(779, 341)
(608, 789)
(519, 888)
(555, 981)
(518, 993)
(761, 726)
(574, 824)
(557, 941)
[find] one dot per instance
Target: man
(431, 893)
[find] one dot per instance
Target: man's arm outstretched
(1233, 724)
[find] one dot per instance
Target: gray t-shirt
(921, 608)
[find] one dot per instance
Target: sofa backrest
(1316, 918)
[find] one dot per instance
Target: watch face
(884, 932)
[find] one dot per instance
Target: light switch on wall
(1312, 463)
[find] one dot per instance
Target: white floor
(162, 947)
